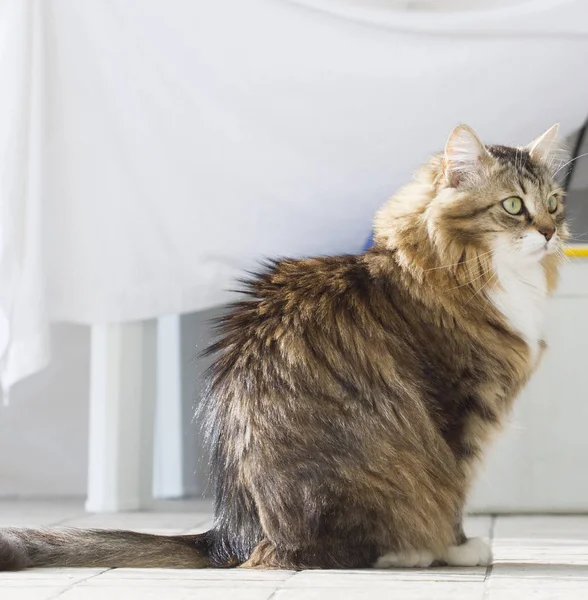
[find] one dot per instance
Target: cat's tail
(24, 548)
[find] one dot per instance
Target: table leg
(169, 433)
(122, 407)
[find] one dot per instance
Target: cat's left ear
(464, 155)
(541, 147)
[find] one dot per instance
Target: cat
(351, 397)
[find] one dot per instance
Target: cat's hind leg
(265, 556)
(322, 554)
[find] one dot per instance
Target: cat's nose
(547, 232)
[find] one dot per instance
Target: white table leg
(169, 435)
(122, 405)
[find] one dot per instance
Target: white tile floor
(538, 557)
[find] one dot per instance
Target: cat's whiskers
(569, 162)
(484, 272)
(529, 283)
(578, 237)
(494, 276)
(562, 255)
(462, 262)
(469, 282)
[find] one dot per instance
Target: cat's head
(502, 198)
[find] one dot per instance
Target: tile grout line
(281, 585)
(204, 521)
(63, 522)
(73, 585)
(490, 567)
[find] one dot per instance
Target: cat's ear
(464, 154)
(541, 147)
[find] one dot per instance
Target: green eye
(513, 205)
(552, 204)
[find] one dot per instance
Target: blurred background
(151, 151)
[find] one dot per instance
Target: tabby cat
(352, 396)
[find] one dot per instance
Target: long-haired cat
(351, 396)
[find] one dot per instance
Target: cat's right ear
(464, 155)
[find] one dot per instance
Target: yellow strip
(576, 251)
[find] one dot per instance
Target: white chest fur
(521, 296)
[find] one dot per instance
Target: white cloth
(178, 142)
(463, 17)
(24, 342)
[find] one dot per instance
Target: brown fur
(351, 396)
(69, 547)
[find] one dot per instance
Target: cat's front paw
(475, 552)
(411, 558)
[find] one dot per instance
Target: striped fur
(351, 396)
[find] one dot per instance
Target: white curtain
(150, 150)
(23, 320)
(446, 17)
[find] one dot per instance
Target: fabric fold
(24, 339)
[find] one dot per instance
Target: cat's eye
(513, 205)
(552, 204)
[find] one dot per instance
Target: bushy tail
(24, 548)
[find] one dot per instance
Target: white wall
(540, 461)
(44, 432)
(196, 335)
